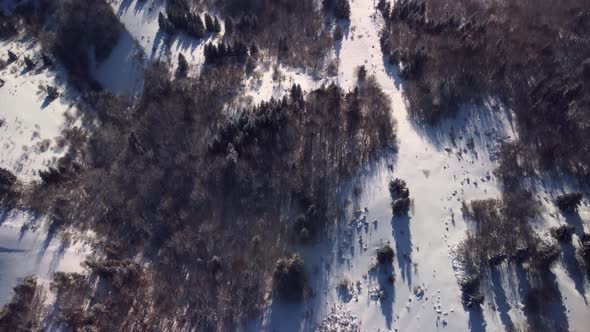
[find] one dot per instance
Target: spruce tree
(229, 26)
(182, 69)
(342, 10)
(209, 25)
(216, 25)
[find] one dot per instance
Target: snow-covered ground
(27, 248)
(29, 127)
(443, 165)
(30, 123)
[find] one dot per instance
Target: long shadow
(500, 298)
(476, 322)
(403, 246)
(477, 122)
(384, 274)
(573, 269)
(544, 307)
(345, 25)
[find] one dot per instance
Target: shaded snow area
(142, 43)
(30, 122)
(442, 165)
(28, 248)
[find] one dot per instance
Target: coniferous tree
(254, 49)
(342, 9)
(182, 69)
(209, 25)
(165, 24)
(198, 30)
(229, 26)
(216, 25)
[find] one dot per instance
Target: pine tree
(182, 69)
(209, 25)
(229, 26)
(254, 49)
(198, 30)
(216, 25)
(342, 10)
(165, 24)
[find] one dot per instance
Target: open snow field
(29, 122)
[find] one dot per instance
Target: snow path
(442, 166)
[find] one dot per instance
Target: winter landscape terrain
(101, 176)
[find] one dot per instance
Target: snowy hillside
(444, 165)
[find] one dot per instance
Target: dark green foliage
(569, 203)
(69, 28)
(209, 24)
(385, 255)
(289, 279)
(362, 73)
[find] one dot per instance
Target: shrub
(563, 233)
(569, 203)
(289, 277)
(471, 292)
(7, 179)
(400, 197)
(52, 92)
(385, 255)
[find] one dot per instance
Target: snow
(442, 165)
(27, 248)
(30, 122)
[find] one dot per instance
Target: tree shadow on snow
(500, 298)
(403, 246)
(544, 307)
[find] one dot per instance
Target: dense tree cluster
(223, 52)
(502, 232)
(201, 192)
(68, 29)
(400, 197)
(292, 30)
(460, 52)
(180, 16)
(569, 203)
